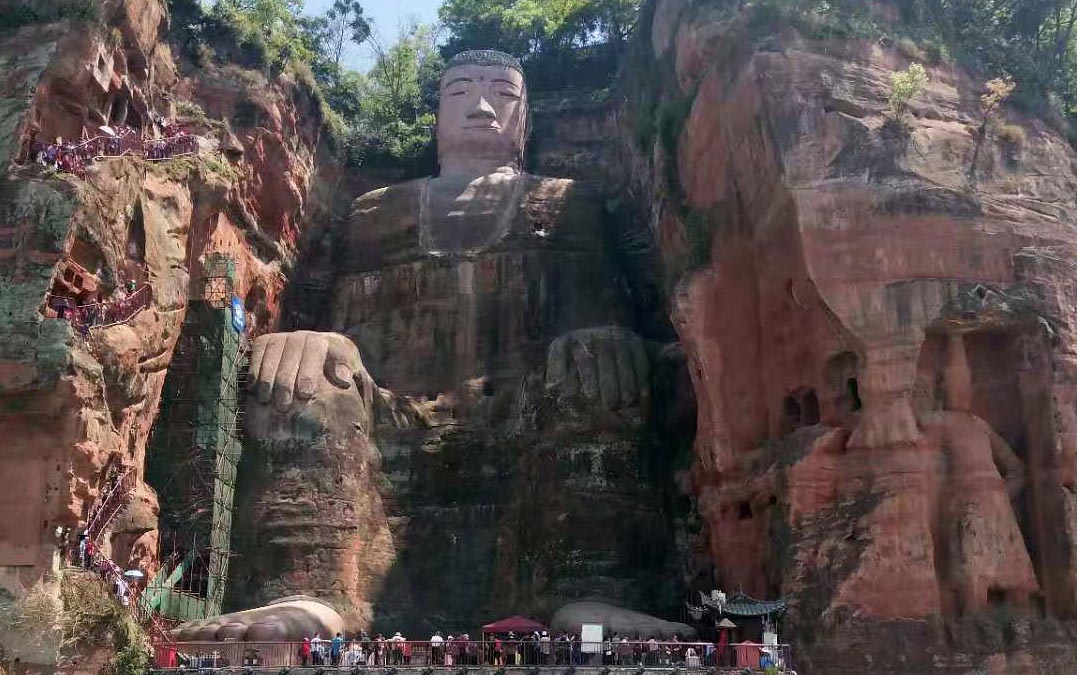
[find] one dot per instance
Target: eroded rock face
(76, 409)
(619, 621)
(885, 386)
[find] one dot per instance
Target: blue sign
(239, 318)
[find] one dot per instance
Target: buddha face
(482, 116)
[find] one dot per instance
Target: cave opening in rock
(841, 373)
(996, 597)
(745, 512)
(792, 415)
(852, 388)
(811, 411)
(135, 249)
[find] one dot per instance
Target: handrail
(112, 312)
(72, 157)
(136, 602)
(121, 487)
(424, 654)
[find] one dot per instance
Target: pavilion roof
(744, 606)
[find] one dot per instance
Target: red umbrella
(517, 624)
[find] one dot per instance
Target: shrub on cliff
(1033, 42)
(905, 85)
(74, 615)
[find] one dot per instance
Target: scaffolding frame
(196, 448)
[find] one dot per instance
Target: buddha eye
(457, 93)
(509, 94)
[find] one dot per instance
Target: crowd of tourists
(74, 156)
(103, 313)
(91, 558)
(509, 649)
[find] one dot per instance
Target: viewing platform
(385, 657)
(467, 670)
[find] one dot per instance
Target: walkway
(110, 503)
(101, 314)
(73, 158)
(473, 654)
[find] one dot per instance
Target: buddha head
(483, 113)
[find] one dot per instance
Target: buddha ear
(526, 129)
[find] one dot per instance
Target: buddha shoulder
(382, 226)
(393, 201)
(562, 208)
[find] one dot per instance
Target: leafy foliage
(24, 12)
(392, 116)
(561, 43)
(259, 34)
(346, 22)
(1033, 41)
(997, 90)
(905, 85)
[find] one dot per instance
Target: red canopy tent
(517, 624)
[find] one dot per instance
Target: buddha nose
(482, 110)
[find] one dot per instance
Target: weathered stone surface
(309, 513)
(618, 621)
(292, 618)
(885, 387)
(522, 466)
(75, 408)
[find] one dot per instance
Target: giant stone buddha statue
(473, 434)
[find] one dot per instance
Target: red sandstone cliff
(74, 408)
(880, 319)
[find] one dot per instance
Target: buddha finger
(268, 368)
(342, 361)
(311, 366)
(558, 364)
(642, 371)
(622, 342)
(287, 369)
(585, 363)
(607, 369)
(258, 348)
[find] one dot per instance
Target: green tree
(560, 42)
(403, 72)
(391, 109)
(258, 33)
(1033, 41)
(346, 22)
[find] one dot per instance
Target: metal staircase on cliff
(110, 503)
(195, 450)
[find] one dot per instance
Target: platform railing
(111, 502)
(103, 314)
(423, 654)
(74, 157)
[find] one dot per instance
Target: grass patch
(214, 163)
(908, 48)
(192, 111)
(1011, 134)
